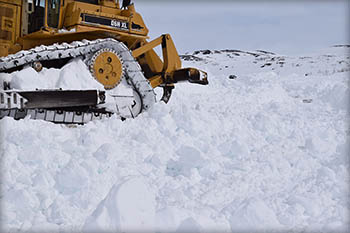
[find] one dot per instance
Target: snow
(75, 75)
(267, 151)
(128, 206)
(66, 31)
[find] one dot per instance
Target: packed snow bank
(264, 147)
(74, 76)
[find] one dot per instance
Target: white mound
(264, 147)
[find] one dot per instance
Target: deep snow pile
(264, 147)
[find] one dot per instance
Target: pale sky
(284, 27)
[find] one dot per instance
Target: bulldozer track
(55, 51)
(84, 49)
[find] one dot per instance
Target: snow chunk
(338, 97)
(233, 149)
(75, 75)
(189, 225)
(253, 214)
(28, 79)
(104, 151)
(129, 206)
(190, 158)
(72, 179)
(61, 31)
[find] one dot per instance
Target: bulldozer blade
(167, 90)
(49, 99)
(61, 99)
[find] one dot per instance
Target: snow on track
(264, 147)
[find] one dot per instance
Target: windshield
(37, 18)
(53, 13)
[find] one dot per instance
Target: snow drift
(264, 147)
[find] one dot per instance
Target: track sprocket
(107, 68)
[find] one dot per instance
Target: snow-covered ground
(264, 147)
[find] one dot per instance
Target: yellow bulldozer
(109, 36)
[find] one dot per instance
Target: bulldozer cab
(36, 15)
(46, 13)
(43, 12)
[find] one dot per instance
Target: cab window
(37, 18)
(53, 13)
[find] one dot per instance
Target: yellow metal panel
(8, 23)
(148, 46)
(82, 32)
(141, 28)
(3, 49)
(111, 11)
(171, 57)
(18, 22)
(156, 81)
(151, 61)
(14, 2)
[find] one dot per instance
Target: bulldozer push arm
(171, 71)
